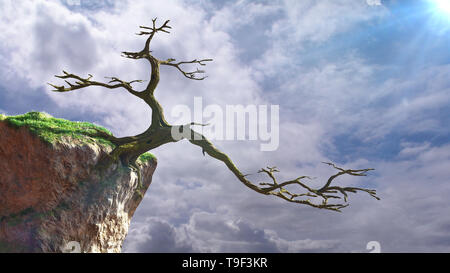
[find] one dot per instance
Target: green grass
(146, 157)
(51, 129)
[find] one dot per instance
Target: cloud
(154, 235)
(306, 23)
(318, 21)
(242, 14)
(346, 98)
(373, 2)
(214, 232)
(410, 105)
(414, 189)
(35, 32)
(413, 149)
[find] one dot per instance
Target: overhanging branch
(324, 194)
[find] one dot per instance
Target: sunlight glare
(443, 6)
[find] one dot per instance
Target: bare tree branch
(154, 29)
(327, 189)
(279, 189)
(85, 82)
(133, 55)
(145, 53)
(152, 32)
(190, 75)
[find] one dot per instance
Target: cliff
(52, 198)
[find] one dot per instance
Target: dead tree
(160, 132)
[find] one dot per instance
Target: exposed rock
(51, 197)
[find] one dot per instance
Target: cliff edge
(52, 198)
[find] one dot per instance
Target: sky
(361, 83)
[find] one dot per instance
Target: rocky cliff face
(53, 200)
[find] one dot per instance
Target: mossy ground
(51, 129)
(146, 157)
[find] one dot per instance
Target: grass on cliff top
(146, 157)
(51, 129)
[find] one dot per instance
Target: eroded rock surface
(51, 199)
